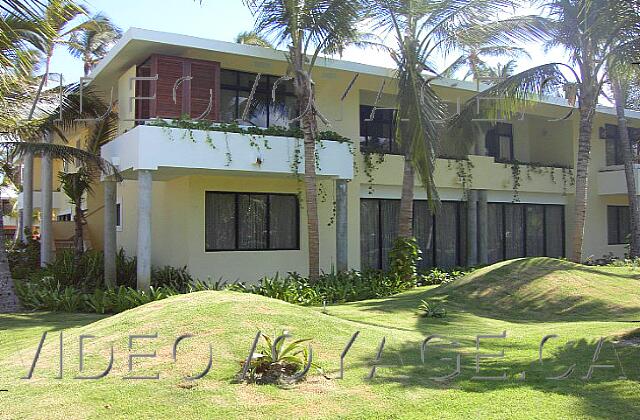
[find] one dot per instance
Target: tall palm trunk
(587, 111)
(78, 239)
(304, 93)
(629, 172)
(405, 227)
(8, 299)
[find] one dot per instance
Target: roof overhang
(137, 44)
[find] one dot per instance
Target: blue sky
(222, 20)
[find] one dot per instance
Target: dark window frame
(460, 234)
(238, 88)
(267, 220)
(497, 132)
(619, 240)
(364, 114)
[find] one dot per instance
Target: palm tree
(91, 43)
(472, 58)
(75, 185)
(308, 28)
(501, 71)
(589, 31)
(252, 38)
(421, 28)
(621, 77)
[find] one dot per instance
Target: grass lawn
(526, 298)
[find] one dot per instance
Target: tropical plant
(92, 42)
(621, 77)
(308, 29)
(589, 31)
(252, 38)
(277, 363)
(421, 29)
(431, 310)
(472, 59)
(76, 185)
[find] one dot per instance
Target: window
(525, 230)
(499, 142)
(438, 235)
(377, 135)
(613, 146)
(235, 89)
(64, 217)
(618, 224)
(118, 215)
(251, 221)
(514, 231)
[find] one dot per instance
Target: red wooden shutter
(169, 70)
(206, 76)
(192, 97)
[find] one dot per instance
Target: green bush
(24, 258)
(404, 258)
(45, 293)
(437, 276)
(175, 278)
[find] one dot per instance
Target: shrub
(176, 278)
(24, 258)
(437, 276)
(403, 259)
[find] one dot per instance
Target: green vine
(370, 165)
(464, 172)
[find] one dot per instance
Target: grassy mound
(548, 289)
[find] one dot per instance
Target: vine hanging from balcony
(535, 168)
(254, 133)
(372, 161)
(464, 172)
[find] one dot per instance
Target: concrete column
(46, 195)
(27, 194)
(144, 229)
(342, 225)
(483, 228)
(472, 228)
(109, 232)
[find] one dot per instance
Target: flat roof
(136, 45)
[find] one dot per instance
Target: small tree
(76, 185)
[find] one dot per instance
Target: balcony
(176, 151)
(485, 174)
(612, 180)
(60, 200)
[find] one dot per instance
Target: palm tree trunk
(45, 76)
(587, 111)
(629, 172)
(304, 93)
(8, 300)
(405, 226)
(78, 240)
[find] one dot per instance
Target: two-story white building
(230, 205)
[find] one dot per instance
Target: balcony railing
(156, 148)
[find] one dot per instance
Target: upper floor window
(499, 142)
(618, 224)
(613, 146)
(377, 134)
(235, 89)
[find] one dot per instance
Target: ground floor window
(618, 224)
(64, 217)
(251, 221)
(514, 230)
